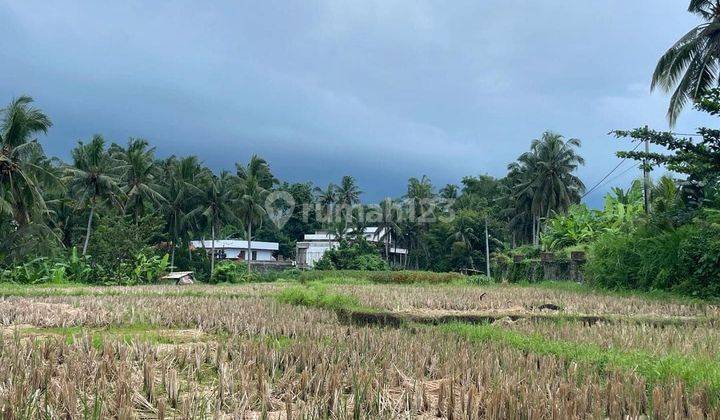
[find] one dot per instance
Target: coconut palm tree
(254, 183)
(464, 231)
(449, 192)
(327, 199)
(138, 173)
(20, 192)
(388, 224)
(181, 177)
(214, 205)
(691, 65)
(665, 194)
(545, 178)
(90, 179)
(418, 200)
(251, 202)
(259, 169)
(348, 194)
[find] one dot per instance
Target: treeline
(119, 206)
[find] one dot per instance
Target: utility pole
(487, 249)
(646, 172)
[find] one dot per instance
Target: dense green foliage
(582, 225)
(230, 272)
(685, 260)
(358, 255)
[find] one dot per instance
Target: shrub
(72, 268)
(684, 260)
(368, 262)
(324, 263)
(230, 272)
(359, 255)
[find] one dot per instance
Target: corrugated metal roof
(236, 244)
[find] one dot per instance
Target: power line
(632, 167)
(609, 173)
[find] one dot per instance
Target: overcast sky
(379, 89)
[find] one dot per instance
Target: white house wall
(262, 255)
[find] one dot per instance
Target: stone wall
(547, 267)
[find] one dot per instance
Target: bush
(684, 260)
(72, 268)
(230, 272)
(142, 269)
(324, 263)
(360, 255)
(368, 262)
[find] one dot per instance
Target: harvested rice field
(352, 350)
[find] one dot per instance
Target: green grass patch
(693, 371)
(392, 277)
(316, 295)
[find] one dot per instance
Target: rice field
(284, 351)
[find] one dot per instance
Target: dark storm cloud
(382, 90)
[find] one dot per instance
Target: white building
(235, 249)
(314, 245)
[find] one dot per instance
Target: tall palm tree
(138, 170)
(463, 231)
(348, 194)
(181, 178)
(259, 169)
(326, 199)
(420, 193)
(388, 224)
(545, 179)
(665, 194)
(91, 179)
(691, 65)
(214, 206)
(251, 205)
(449, 192)
(255, 181)
(20, 192)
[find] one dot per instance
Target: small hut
(180, 277)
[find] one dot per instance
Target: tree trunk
(534, 231)
(89, 226)
(248, 256)
(173, 244)
(212, 251)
